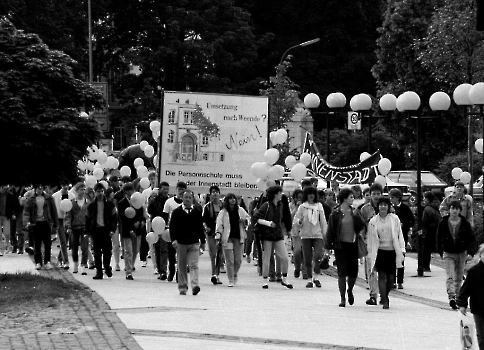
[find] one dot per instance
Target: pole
(420, 257)
(481, 115)
(161, 133)
(90, 38)
(328, 156)
(469, 155)
(369, 132)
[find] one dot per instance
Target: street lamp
(306, 43)
(362, 103)
(461, 98)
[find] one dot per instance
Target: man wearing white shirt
(58, 196)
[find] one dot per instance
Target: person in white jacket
(311, 220)
(385, 247)
(230, 229)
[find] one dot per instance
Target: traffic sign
(354, 121)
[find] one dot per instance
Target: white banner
(201, 159)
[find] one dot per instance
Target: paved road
(248, 317)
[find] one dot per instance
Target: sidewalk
(248, 317)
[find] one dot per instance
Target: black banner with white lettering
(363, 172)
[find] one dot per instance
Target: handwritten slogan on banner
(363, 172)
(203, 160)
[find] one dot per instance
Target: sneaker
(48, 266)
(97, 276)
(196, 290)
(38, 266)
(29, 250)
(371, 301)
(83, 271)
(213, 279)
(118, 268)
(163, 277)
(453, 304)
(317, 283)
(109, 272)
(309, 285)
(75, 269)
(265, 286)
(230, 285)
(129, 277)
(400, 285)
(143, 264)
(66, 266)
(287, 285)
(1, 254)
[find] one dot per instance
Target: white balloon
(152, 237)
(89, 166)
(144, 183)
(66, 205)
(137, 200)
(115, 164)
(143, 144)
(271, 156)
(142, 171)
(81, 165)
(155, 161)
(281, 136)
(90, 181)
(364, 156)
(158, 225)
(259, 169)
(384, 166)
(147, 193)
(98, 173)
(165, 235)
(97, 166)
(155, 126)
(465, 177)
(290, 161)
(305, 159)
(456, 173)
(149, 151)
(272, 136)
(275, 172)
(125, 171)
(102, 157)
(111, 162)
(104, 183)
(261, 184)
(478, 145)
(138, 162)
(298, 172)
(382, 180)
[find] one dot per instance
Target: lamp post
(362, 103)
(306, 43)
(461, 98)
(90, 38)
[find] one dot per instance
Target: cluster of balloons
(94, 165)
(384, 167)
(266, 170)
(464, 176)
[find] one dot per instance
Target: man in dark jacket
(155, 208)
(473, 288)
(7, 215)
(431, 218)
(101, 222)
(455, 240)
(40, 214)
(407, 220)
(188, 237)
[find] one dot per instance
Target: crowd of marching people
(101, 226)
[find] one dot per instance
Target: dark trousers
(79, 239)
(144, 248)
(166, 256)
(41, 234)
(103, 249)
(17, 232)
(428, 247)
(401, 272)
(249, 241)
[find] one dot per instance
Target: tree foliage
(41, 132)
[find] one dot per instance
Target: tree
(41, 133)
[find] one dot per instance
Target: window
(205, 141)
(222, 157)
(188, 148)
(118, 142)
(171, 117)
(171, 136)
(187, 117)
(205, 156)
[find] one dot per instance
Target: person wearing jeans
(269, 217)
(473, 288)
(58, 196)
(188, 238)
(230, 230)
(311, 220)
(455, 240)
(40, 214)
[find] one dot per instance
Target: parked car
(429, 182)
